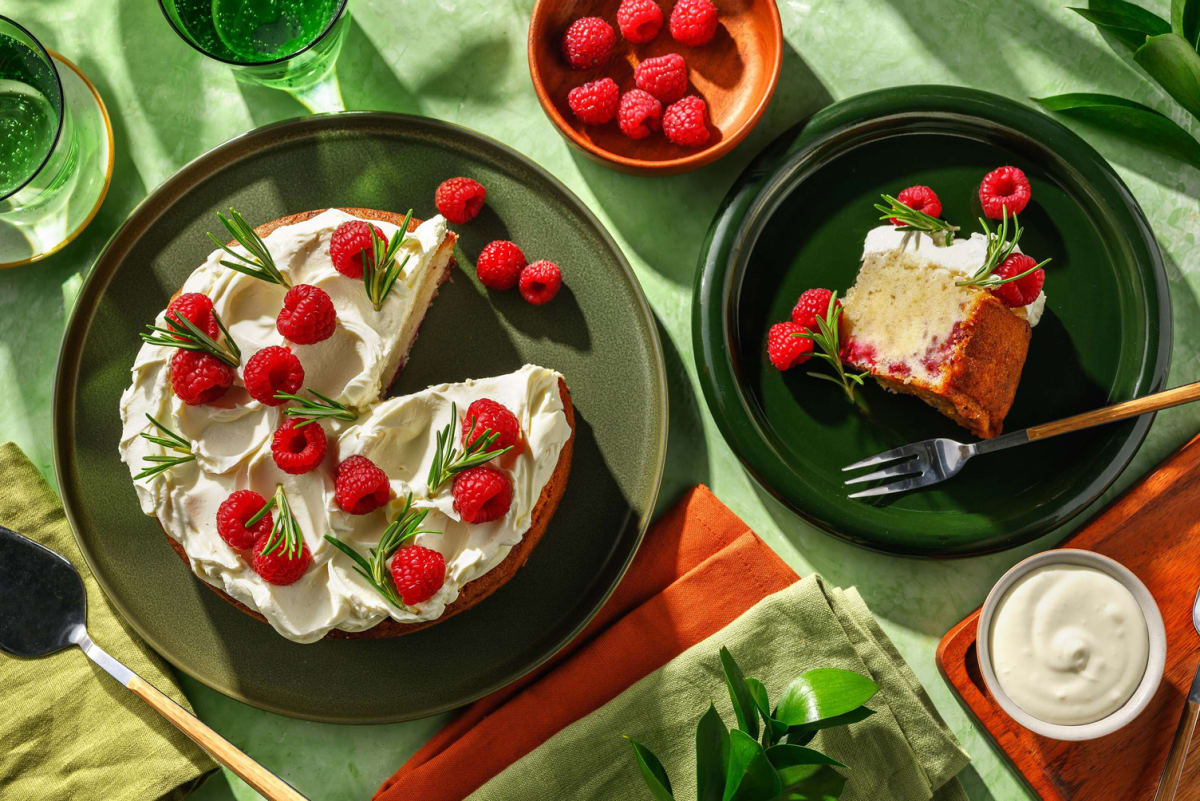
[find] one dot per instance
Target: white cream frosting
(231, 439)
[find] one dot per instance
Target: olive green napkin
(903, 752)
(67, 729)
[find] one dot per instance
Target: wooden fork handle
(1119, 411)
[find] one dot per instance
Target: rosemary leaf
(259, 263)
(448, 460)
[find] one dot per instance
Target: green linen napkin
(69, 731)
(903, 752)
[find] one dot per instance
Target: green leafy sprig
(257, 261)
(172, 442)
(770, 762)
(312, 410)
(285, 531)
(381, 270)
(375, 569)
(999, 248)
(827, 346)
(449, 460)
(912, 221)
(189, 337)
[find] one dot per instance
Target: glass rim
(162, 4)
(62, 102)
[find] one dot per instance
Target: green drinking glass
(285, 44)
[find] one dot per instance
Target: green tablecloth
(464, 60)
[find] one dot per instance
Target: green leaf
(800, 735)
(652, 771)
(773, 730)
(712, 752)
(791, 762)
(823, 693)
(749, 775)
(1129, 23)
(1174, 63)
(817, 783)
(1128, 119)
(1185, 20)
(743, 702)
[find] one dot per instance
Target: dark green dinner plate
(598, 332)
(797, 218)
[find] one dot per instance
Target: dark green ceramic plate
(796, 219)
(598, 332)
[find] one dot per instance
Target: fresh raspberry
(419, 572)
(197, 308)
(482, 494)
(920, 198)
(298, 449)
(639, 114)
(307, 316)
(785, 350)
(540, 282)
(350, 244)
(685, 122)
(693, 22)
(1023, 291)
(198, 377)
(665, 77)
(273, 369)
(459, 199)
(487, 414)
(595, 103)
(277, 567)
(360, 486)
(1004, 187)
(499, 264)
(588, 43)
(639, 20)
(233, 513)
(813, 303)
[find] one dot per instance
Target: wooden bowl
(735, 73)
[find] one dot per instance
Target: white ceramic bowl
(1155, 663)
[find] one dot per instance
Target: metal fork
(932, 461)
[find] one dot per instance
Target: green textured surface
(463, 60)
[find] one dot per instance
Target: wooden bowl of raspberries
(655, 87)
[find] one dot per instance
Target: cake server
(43, 609)
(932, 461)
(1173, 770)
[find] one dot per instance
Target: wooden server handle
(1119, 411)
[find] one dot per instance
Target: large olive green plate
(796, 219)
(598, 332)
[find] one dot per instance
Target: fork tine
(915, 465)
(903, 485)
(886, 456)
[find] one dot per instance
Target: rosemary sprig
(448, 460)
(999, 248)
(258, 264)
(826, 338)
(172, 442)
(381, 270)
(375, 570)
(322, 407)
(940, 231)
(285, 531)
(188, 336)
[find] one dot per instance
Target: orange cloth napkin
(699, 569)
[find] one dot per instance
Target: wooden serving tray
(1154, 530)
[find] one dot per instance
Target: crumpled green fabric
(904, 752)
(68, 730)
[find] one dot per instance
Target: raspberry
(787, 351)
(307, 316)
(298, 449)
(639, 114)
(499, 264)
(459, 199)
(350, 244)
(360, 486)
(921, 198)
(277, 567)
(1023, 291)
(486, 413)
(273, 369)
(639, 20)
(482, 494)
(588, 42)
(197, 308)
(685, 122)
(813, 303)
(540, 282)
(595, 103)
(1004, 187)
(232, 515)
(665, 77)
(419, 572)
(693, 22)
(198, 377)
